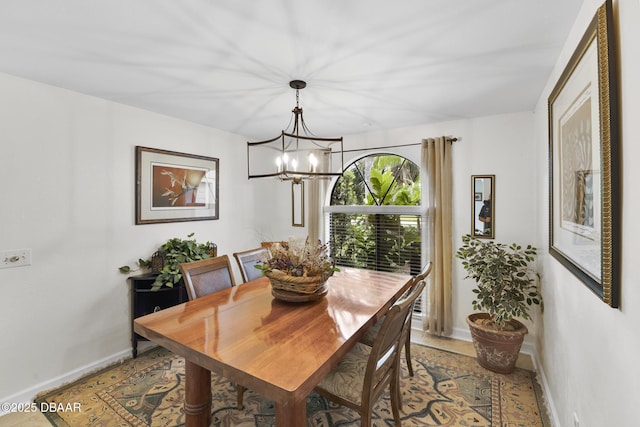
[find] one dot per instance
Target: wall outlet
(15, 258)
(576, 420)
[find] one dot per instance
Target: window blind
(380, 242)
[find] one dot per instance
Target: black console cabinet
(145, 301)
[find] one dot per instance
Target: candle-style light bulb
(278, 164)
(313, 162)
(285, 159)
(294, 164)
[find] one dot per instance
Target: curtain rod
(392, 146)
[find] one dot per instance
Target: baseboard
(546, 395)
(30, 393)
(462, 334)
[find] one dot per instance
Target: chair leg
(365, 417)
(396, 399)
(240, 403)
(407, 353)
(398, 392)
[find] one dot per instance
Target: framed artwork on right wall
(583, 162)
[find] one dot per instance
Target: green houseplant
(175, 252)
(506, 288)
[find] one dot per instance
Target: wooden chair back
(424, 273)
(248, 259)
(384, 361)
(364, 373)
(422, 277)
(206, 276)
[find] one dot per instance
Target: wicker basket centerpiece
(302, 285)
(298, 270)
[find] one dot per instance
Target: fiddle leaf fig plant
(506, 286)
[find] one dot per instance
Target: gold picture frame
(584, 205)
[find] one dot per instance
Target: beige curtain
(436, 161)
(315, 228)
(317, 191)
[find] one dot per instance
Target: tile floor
(456, 346)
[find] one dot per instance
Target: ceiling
(369, 64)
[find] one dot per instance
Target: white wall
(589, 351)
(272, 214)
(67, 179)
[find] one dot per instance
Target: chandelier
(295, 154)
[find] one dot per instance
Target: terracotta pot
(496, 350)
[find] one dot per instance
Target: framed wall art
(583, 162)
(172, 186)
(483, 204)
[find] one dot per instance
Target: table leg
(197, 399)
(291, 414)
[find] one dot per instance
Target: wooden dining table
(278, 349)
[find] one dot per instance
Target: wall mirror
(297, 203)
(482, 206)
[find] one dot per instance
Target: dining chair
(370, 336)
(365, 372)
(247, 261)
(205, 277)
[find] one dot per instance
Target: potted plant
(506, 288)
(173, 253)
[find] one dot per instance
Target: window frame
(420, 210)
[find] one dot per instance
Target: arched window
(375, 217)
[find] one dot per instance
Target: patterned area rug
(448, 390)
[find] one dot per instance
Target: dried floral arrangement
(299, 258)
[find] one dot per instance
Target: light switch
(15, 258)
